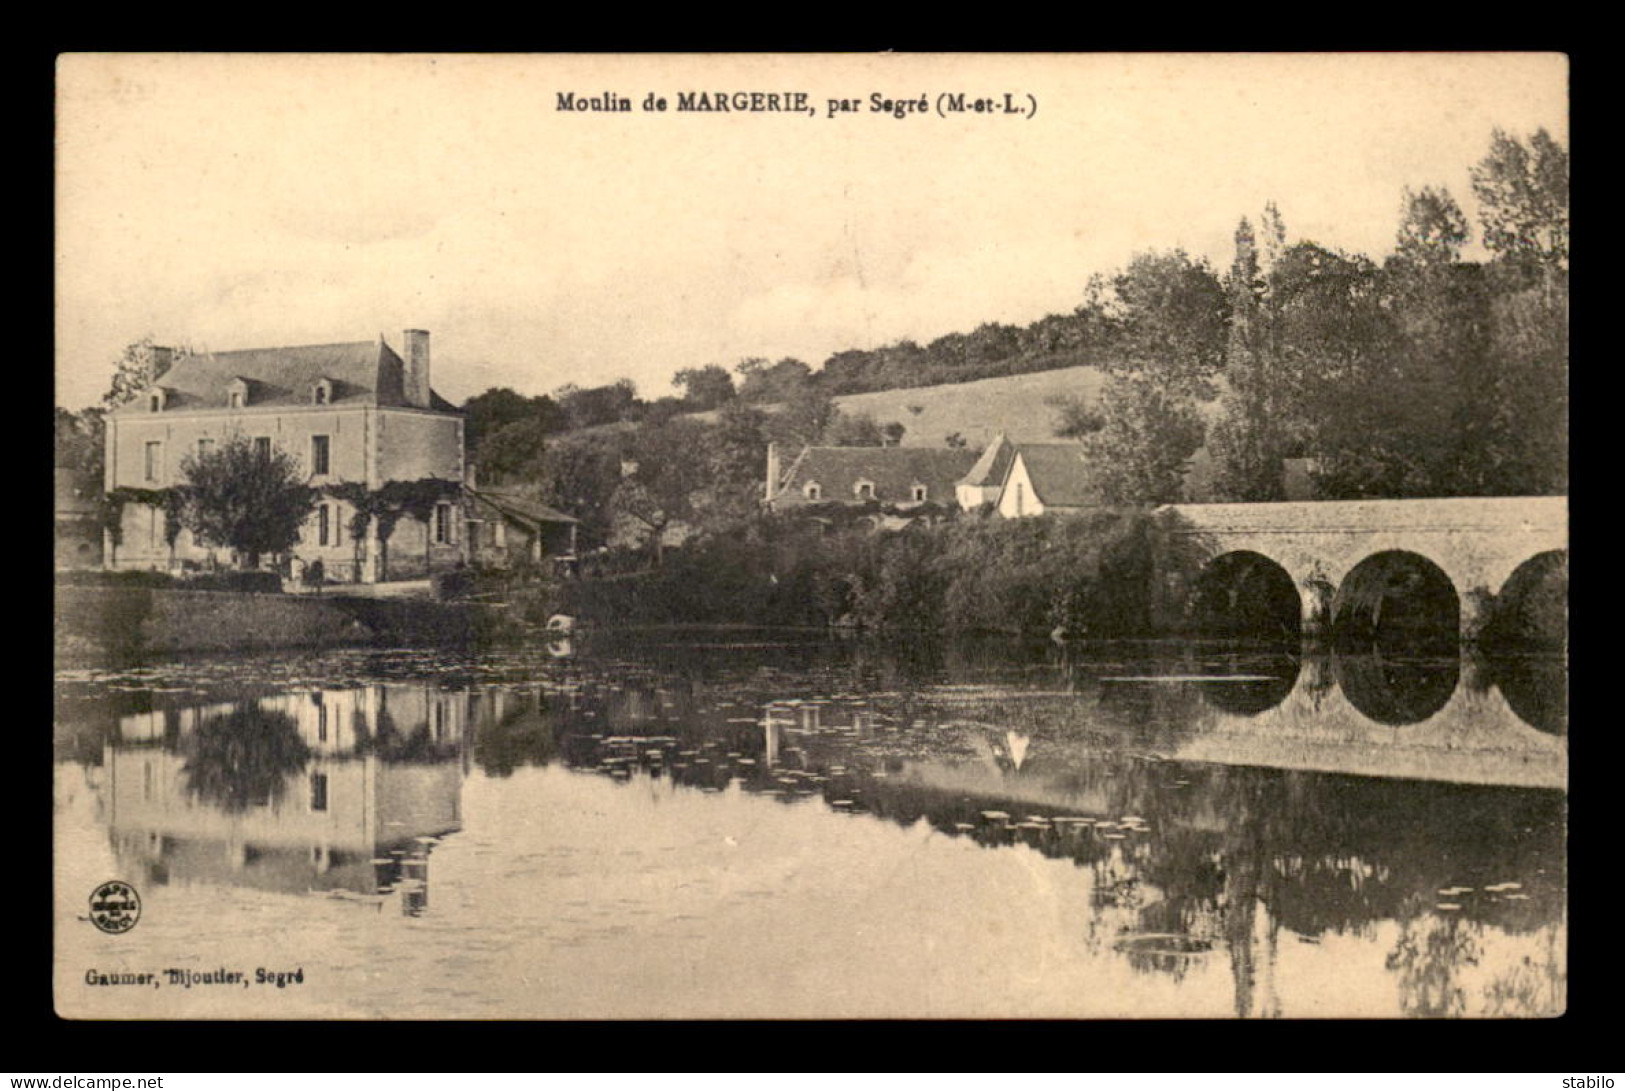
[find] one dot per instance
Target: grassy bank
(126, 621)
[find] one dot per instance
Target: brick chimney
(415, 374)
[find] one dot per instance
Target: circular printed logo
(115, 907)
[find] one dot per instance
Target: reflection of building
(381, 768)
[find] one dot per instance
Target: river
(719, 824)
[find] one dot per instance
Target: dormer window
(864, 489)
(813, 491)
(321, 393)
(155, 400)
(237, 393)
(918, 492)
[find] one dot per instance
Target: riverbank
(101, 622)
(1086, 575)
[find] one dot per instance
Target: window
(318, 454)
(205, 447)
(499, 530)
(442, 523)
(322, 392)
(324, 525)
(155, 459)
(813, 491)
(262, 446)
(318, 791)
(156, 402)
(1019, 506)
(919, 493)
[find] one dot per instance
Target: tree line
(1422, 374)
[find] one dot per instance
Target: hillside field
(979, 410)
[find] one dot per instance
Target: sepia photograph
(811, 536)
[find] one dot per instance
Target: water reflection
(1227, 810)
(337, 790)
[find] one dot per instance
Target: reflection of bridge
(1470, 736)
(1334, 555)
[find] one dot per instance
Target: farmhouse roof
(1059, 474)
(517, 506)
(993, 465)
(362, 373)
(894, 471)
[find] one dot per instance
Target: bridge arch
(1245, 593)
(1532, 605)
(1396, 594)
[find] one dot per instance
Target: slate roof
(517, 506)
(893, 470)
(1059, 474)
(363, 373)
(994, 463)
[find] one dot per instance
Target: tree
(578, 476)
(1244, 442)
(852, 430)
(81, 444)
(250, 502)
(585, 407)
(1143, 448)
(664, 489)
(511, 452)
(1075, 416)
(761, 382)
(1167, 312)
(802, 420)
(1171, 314)
(142, 364)
(1432, 229)
(705, 387)
(486, 413)
(1523, 196)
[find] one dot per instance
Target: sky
(229, 201)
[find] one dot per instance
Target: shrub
(1087, 573)
(455, 583)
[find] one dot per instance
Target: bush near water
(1084, 573)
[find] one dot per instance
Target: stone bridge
(1333, 561)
